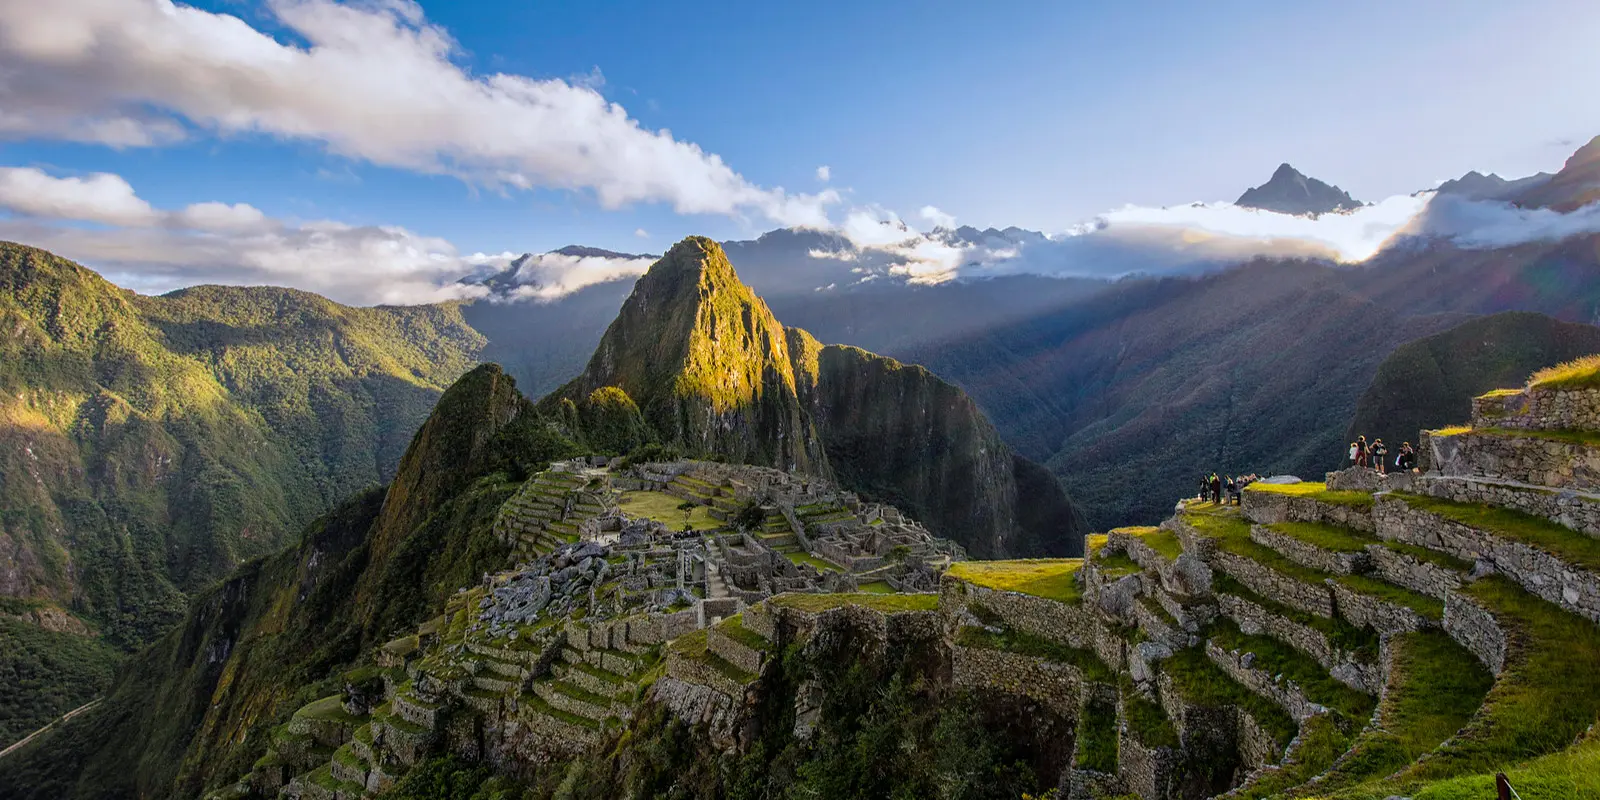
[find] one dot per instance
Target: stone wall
(1058, 686)
(1343, 563)
(1312, 598)
(1266, 507)
(1072, 625)
(1413, 573)
(1539, 409)
(1573, 589)
(1343, 666)
(1476, 629)
(1150, 772)
(1524, 459)
(1578, 511)
(1284, 693)
(1364, 610)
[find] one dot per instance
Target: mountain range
(1291, 192)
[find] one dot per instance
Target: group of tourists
(1376, 454)
(1214, 486)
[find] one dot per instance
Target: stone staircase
(547, 512)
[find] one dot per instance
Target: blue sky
(1034, 114)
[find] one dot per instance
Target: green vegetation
(877, 587)
(1579, 373)
(1583, 438)
(1434, 688)
(450, 778)
(46, 674)
(1564, 543)
(1315, 491)
(1164, 542)
(1027, 644)
(1204, 683)
(1097, 738)
(1276, 658)
(821, 564)
(886, 603)
(663, 508)
(1548, 693)
(1146, 721)
(1321, 743)
(1050, 578)
(1117, 565)
(1327, 537)
(733, 628)
(1362, 642)
(1574, 772)
(1430, 556)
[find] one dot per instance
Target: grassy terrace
(733, 628)
(877, 587)
(1434, 557)
(328, 708)
(1276, 658)
(1363, 642)
(1315, 491)
(663, 508)
(1328, 537)
(1097, 738)
(1026, 644)
(886, 603)
(1581, 373)
(1165, 543)
(1232, 535)
(535, 703)
(604, 675)
(1146, 721)
(693, 645)
(822, 565)
(1548, 694)
(1050, 578)
(1117, 565)
(1562, 542)
(1434, 689)
(1321, 743)
(1203, 683)
(1586, 438)
(1157, 609)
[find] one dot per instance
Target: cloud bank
(545, 277)
(374, 81)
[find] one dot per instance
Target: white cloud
(375, 81)
(152, 250)
(937, 218)
(549, 276)
(824, 174)
(101, 197)
(641, 233)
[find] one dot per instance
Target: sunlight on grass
(1579, 373)
(663, 507)
(1050, 578)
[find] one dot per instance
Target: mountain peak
(1292, 192)
(1576, 185)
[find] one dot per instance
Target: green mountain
(1429, 383)
(199, 705)
(712, 371)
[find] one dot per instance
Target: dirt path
(63, 718)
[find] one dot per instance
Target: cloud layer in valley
(374, 82)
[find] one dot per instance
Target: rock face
(713, 372)
(1478, 186)
(1577, 184)
(1290, 192)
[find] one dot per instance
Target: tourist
(1363, 455)
(1216, 489)
(1205, 487)
(1353, 453)
(1407, 459)
(1379, 451)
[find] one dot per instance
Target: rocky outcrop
(1290, 192)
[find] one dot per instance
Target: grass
(1097, 738)
(1027, 644)
(1146, 721)
(663, 508)
(328, 708)
(1321, 743)
(577, 692)
(886, 603)
(1155, 607)
(1362, 642)
(1564, 543)
(821, 565)
(876, 587)
(537, 704)
(733, 628)
(1315, 491)
(1579, 373)
(1117, 565)
(1430, 556)
(1276, 658)
(1548, 693)
(1092, 542)
(1328, 537)
(1164, 542)
(1586, 438)
(1435, 687)
(1573, 773)
(1050, 578)
(1205, 684)
(1233, 536)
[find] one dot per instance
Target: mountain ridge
(1291, 192)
